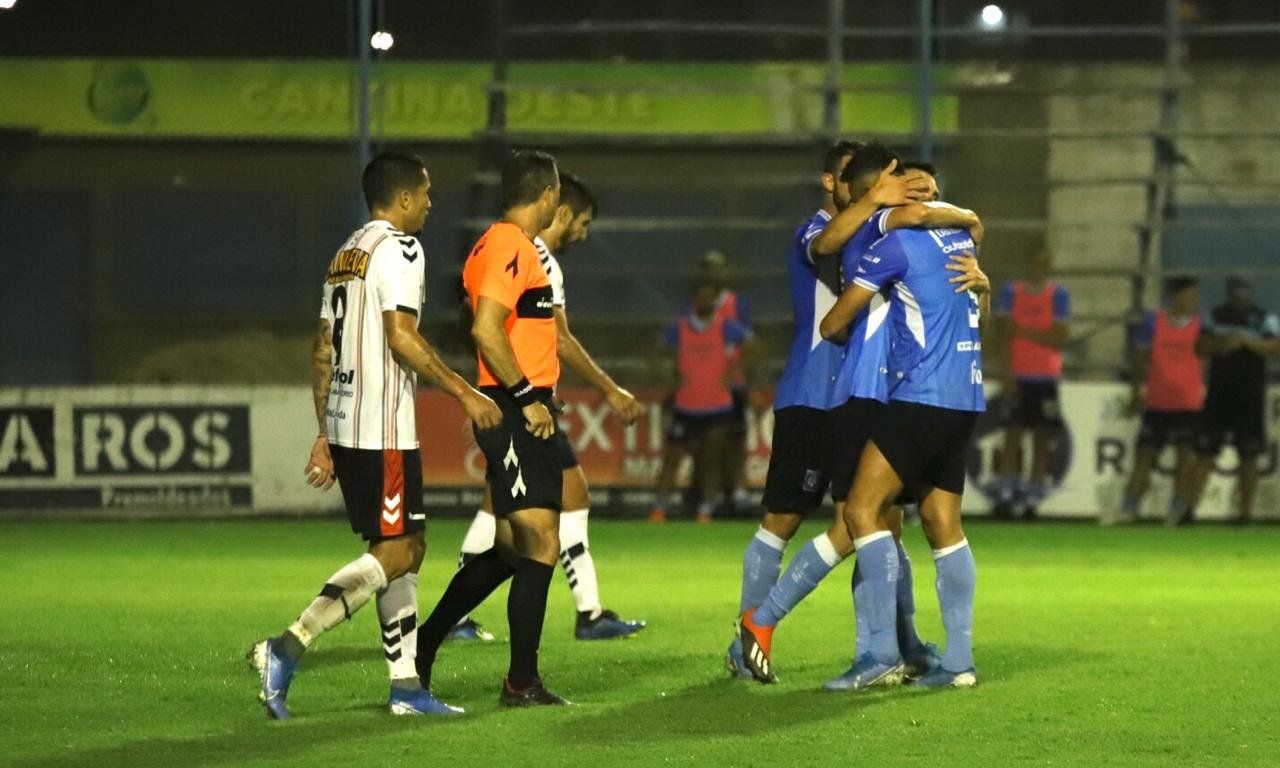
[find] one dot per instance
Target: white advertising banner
(179, 451)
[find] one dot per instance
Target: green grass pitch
(122, 644)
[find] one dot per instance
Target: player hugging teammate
(896, 410)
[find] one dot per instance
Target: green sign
(315, 99)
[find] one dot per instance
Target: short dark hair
(870, 157)
(831, 159)
(388, 174)
(575, 194)
(920, 165)
(1179, 283)
(524, 175)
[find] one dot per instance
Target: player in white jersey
(573, 217)
(368, 354)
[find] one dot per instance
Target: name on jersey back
(348, 265)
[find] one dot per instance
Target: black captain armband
(523, 392)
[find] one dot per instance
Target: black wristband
(523, 392)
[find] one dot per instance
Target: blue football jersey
(863, 372)
(812, 364)
(935, 350)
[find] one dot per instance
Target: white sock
(579, 567)
(479, 538)
(344, 593)
(398, 616)
(826, 550)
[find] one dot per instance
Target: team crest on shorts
(812, 479)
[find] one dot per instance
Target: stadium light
(381, 40)
(992, 18)
(7, 4)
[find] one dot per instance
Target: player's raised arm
(935, 216)
(575, 355)
(488, 330)
(416, 353)
(888, 190)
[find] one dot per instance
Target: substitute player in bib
(570, 226)
(1168, 389)
(515, 335)
(919, 440)
(368, 354)
(1036, 313)
(819, 443)
(704, 347)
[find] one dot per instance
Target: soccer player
(368, 354)
(819, 443)
(1237, 337)
(705, 345)
(1168, 389)
(570, 226)
(919, 440)
(514, 329)
(1035, 313)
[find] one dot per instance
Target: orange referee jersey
(504, 266)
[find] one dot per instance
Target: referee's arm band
(522, 392)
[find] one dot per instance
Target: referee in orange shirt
(514, 329)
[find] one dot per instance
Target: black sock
(291, 646)
(526, 609)
(470, 586)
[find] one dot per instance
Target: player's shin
(526, 611)
(761, 564)
(908, 638)
(956, 582)
(478, 538)
(878, 560)
(579, 566)
(469, 587)
(809, 566)
(345, 592)
(398, 620)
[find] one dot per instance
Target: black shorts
(688, 427)
(1161, 428)
(564, 449)
(523, 471)
(852, 428)
(382, 491)
(1240, 421)
(1036, 404)
(925, 445)
(799, 463)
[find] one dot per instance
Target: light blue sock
(810, 565)
(878, 561)
(908, 639)
(760, 566)
(957, 578)
(861, 636)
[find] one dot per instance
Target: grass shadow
(698, 711)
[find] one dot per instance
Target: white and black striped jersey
(371, 396)
(554, 273)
